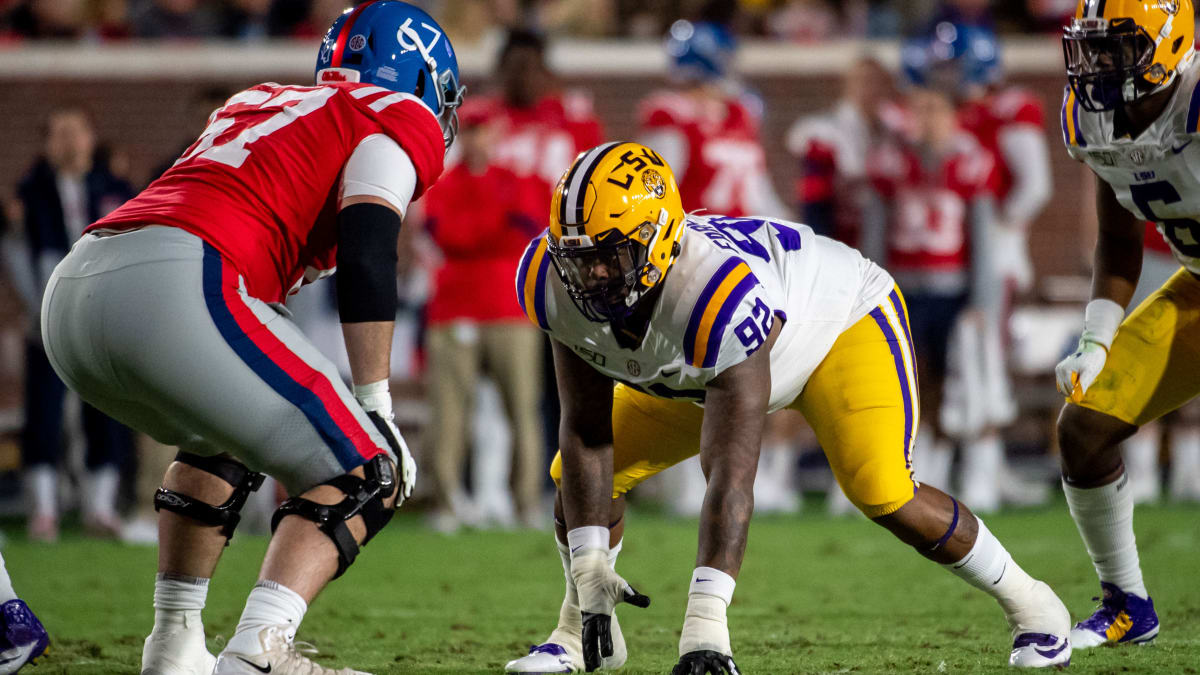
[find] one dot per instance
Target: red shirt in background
(481, 225)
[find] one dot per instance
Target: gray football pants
(155, 329)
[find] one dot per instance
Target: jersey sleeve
(1017, 106)
(408, 122)
(730, 319)
(379, 167)
(531, 282)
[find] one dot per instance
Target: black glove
(705, 663)
(597, 631)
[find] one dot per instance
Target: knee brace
(364, 497)
(226, 515)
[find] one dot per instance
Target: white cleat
(280, 655)
(180, 652)
(1041, 638)
(563, 653)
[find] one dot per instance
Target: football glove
(705, 663)
(600, 589)
(1078, 371)
(377, 402)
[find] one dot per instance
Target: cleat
(1120, 618)
(280, 655)
(548, 657)
(23, 639)
(1041, 631)
(1040, 650)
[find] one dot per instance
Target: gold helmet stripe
(575, 187)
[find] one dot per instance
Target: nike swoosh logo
(1180, 148)
(670, 373)
(577, 548)
(702, 580)
(256, 666)
(1051, 653)
(1002, 571)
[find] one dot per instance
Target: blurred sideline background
(148, 72)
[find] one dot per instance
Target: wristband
(588, 538)
(374, 397)
(1101, 319)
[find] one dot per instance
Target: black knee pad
(226, 515)
(364, 497)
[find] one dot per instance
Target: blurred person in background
(937, 210)
(539, 128)
(832, 147)
(478, 216)
(62, 193)
(1008, 122)
(110, 19)
(49, 19)
(159, 19)
(244, 19)
(304, 19)
(23, 639)
(706, 127)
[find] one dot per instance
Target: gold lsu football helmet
(1119, 51)
(616, 219)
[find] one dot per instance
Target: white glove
(377, 402)
(600, 589)
(1078, 371)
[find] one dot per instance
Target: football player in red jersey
(168, 316)
(1008, 122)
(937, 208)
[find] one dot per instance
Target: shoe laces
(1105, 614)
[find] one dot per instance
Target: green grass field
(815, 596)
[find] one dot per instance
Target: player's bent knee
(371, 497)
(1088, 441)
(225, 515)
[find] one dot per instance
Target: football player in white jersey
(705, 324)
(1131, 112)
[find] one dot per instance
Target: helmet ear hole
(419, 90)
(1177, 44)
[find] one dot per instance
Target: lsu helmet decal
(616, 219)
(1118, 51)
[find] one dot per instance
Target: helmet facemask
(1111, 63)
(606, 278)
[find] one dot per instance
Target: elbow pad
(366, 263)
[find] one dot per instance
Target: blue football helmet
(397, 46)
(699, 52)
(965, 54)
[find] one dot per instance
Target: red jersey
(539, 143)
(479, 224)
(988, 117)
(928, 208)
(725, 158)
(261, 183)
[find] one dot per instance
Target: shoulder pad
(531, 281)
(1072, 131)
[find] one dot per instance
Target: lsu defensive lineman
(1131, 112)
(705, 324)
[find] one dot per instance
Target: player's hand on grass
(600, 590)
(705, 663)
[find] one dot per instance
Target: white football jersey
(1156, 175)
(732, 278)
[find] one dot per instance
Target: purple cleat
(23, 639)
(1121, 617)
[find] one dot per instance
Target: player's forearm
(369, 348)
(1118, 258)
(586, 484)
